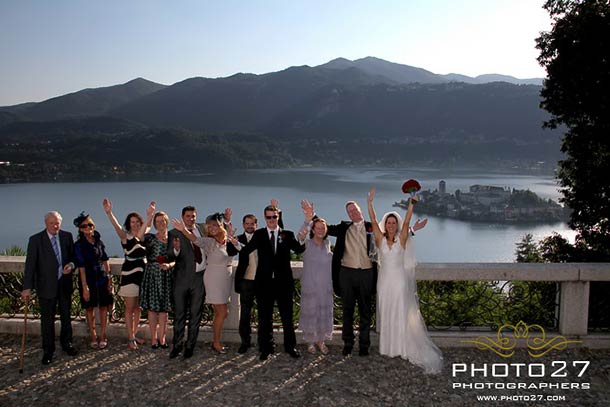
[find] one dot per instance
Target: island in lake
(486, 203)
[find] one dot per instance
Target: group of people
(176, 270)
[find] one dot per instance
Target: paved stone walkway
(117, 376)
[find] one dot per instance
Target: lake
(248, 191)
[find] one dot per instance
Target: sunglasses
(271, 217)
(86, 225)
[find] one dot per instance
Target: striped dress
(133, 267)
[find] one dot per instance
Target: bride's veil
(423, 352)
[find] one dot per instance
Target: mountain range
(368, 100)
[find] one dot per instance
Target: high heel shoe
(133, 345)
(221, 351)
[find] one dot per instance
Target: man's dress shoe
(47, 359)
(70, 350)
(174, 352)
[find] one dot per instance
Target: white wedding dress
(402, 330)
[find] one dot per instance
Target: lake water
(443, 240)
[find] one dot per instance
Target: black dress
(91, 256)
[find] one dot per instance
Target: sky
(50, 48)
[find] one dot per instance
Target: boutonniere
(281, 237)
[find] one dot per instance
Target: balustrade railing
(459, 296)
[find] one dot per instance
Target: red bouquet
(161, 259)
(411, 187)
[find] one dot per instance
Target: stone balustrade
(574, 280)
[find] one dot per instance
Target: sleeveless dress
(316, 319)
(133, 267)
(402, 330)
(156, 288)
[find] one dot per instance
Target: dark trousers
(357, 286)
(48, 309)
(246, 300)
(189, 294)
(266, 298)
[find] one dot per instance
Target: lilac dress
(316, 320)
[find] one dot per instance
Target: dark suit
(354, 286)
(274, 282)
(189, 291)
(41, 274)
(245, 289)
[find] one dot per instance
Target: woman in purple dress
(316, 320)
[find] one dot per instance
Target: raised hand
(274, 202)
(308, 210)
(178, 224)
(371, 195)
(420, 224)
(150, 211)
(107, 205)
(233, 241)
(227, 215)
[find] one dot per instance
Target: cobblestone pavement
(117, 376)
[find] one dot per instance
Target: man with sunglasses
(245, 274)
(49, 267)
(273, 281)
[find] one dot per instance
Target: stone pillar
(574, 308)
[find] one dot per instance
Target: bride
(402, 330)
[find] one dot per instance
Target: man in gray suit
(48, 269)
(188, 283)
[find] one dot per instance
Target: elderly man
(48, 269)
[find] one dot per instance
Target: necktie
(57, 255)
(196, 251)
(272, 239)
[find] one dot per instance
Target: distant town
(486, 203)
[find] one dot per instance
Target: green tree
(527, 250)
(576, 55)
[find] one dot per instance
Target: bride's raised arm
(404, 230)
(376, 231)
